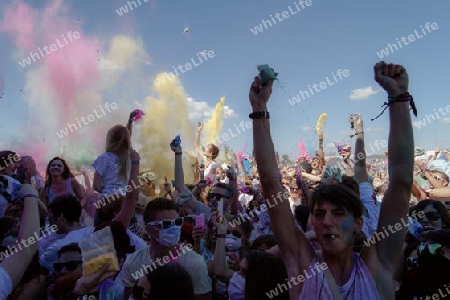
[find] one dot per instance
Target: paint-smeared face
(56, 167)
(334, 227)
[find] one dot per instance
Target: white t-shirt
(372, 215)
(140, 263)
(49, 240)
(6, 286)
(50, 255)
(212, 165)
(107, 165)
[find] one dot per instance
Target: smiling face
(335, 227)
(56, 167)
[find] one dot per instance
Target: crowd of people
(253, 228)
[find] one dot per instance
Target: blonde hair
(118, 142)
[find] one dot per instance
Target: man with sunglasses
(69, 261)
(163, 224)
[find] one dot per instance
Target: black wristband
(405, 97)
(259, 115)
(224, 236)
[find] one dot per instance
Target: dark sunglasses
(70, 265)
(432, 216)
(235, 233)
(167, 223)
(139, 292)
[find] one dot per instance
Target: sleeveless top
(360, 285)
(51, 195)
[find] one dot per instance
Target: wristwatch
(259, 115)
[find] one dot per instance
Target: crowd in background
(242, 229)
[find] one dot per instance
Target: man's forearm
(179, 173)
(401, 144)
(360, 164)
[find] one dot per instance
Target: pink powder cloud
(19, 20)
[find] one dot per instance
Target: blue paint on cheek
(347, 223)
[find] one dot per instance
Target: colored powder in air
(213, 126)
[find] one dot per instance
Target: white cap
(225, 167)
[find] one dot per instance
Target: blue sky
(304, 49)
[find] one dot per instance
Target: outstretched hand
(199, 127)
(259, 95)
(392, 78)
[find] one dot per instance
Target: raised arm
(179, 172)
(186, 197)
(294, 247)
(131, 120)
(361, 174)
(394, 79)
(322, 162)
(234, 201)
(197, 136)
(16, 265)
(132, 196)
(220, 260)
